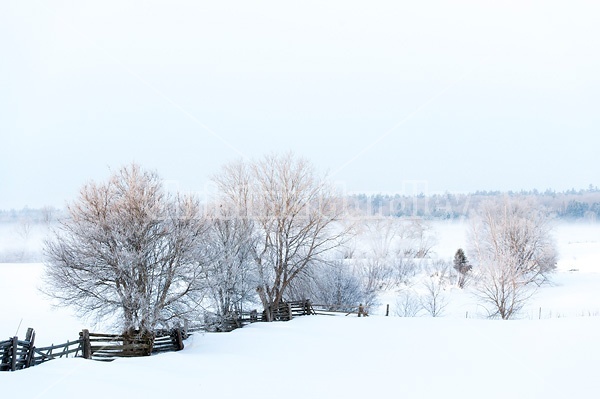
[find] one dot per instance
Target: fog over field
(572, 292)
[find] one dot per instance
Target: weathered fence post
(148, 340)
(15, 347)
(178, 339)
(387, 310)
(86, 345)
(30, 337)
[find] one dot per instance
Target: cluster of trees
(129, 248)
(512, 254)
(380, 254)
(132, 253)
(581, 209)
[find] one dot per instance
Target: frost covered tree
(127, 251)
(380, 236)
(230, 273)
(389, 247)
(419, 238)
(433, 299)
(294, 212)
(334, 284)
(514, 252)
(408, 303)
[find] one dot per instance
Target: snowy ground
(346, 357)
(350, 357)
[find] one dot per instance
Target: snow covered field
(346, 357)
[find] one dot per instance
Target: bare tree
(404, 270)
(387, 260)
(230, 273)
(433, 299)
(377, 267)
(48, 214)
(127, 250)
(502, 288)
(333, 284)
(294, 212)
(418, 238)
(514, 252)
(24, 228)
(408, 304)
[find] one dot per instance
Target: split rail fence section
(286, 311)
(17, 355)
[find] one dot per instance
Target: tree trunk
(266, 305)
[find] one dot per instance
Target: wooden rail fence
(107, 347)
(17, 355)
(288, 310)
(68, 349)
(285, 311)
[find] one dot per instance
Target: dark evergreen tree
(461, 265)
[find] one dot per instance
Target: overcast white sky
(459, 95)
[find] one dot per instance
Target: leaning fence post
(86, 345)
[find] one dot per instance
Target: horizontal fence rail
(68, 349)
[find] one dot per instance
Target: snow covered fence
(107, 347)
(68, 349)
(17, 355)
(21, 354)
(286, 311)
(14, 354)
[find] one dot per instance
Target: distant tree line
(571, 205)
